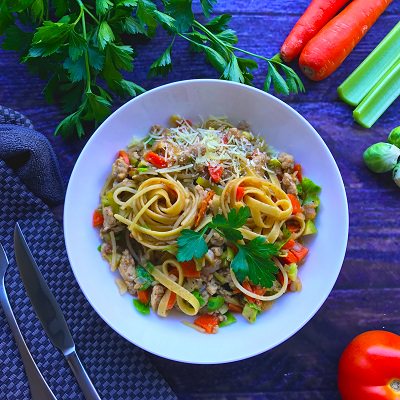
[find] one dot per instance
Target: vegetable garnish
(142, 308)
(326, 51)
(394, 137)
(124, 155)
(295, 203)
(189, 269)
(143, 296)
(253, 259)
(308, 191)
(230, 319)
(208, 322)
(379, 98)
(318, 13)
(155, 159)
(369, 368)
(215, 172)
(143, 278)
(97, 219)
(78, 45)
(372, 69)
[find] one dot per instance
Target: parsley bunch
(80, 48)
(253, 259)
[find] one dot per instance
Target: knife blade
(49, 312)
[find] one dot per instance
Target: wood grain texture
(367, 293)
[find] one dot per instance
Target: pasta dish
(207, 220)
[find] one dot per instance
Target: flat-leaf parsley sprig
(253, 259)
(83, 49)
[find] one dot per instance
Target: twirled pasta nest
(269, 205)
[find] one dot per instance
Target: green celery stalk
(372, 69)
(381, 96)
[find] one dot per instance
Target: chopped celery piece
(230, 254)
(219, 278)
(250, 312)
(205, 183)
(310, 228)
(142, 308)
(230, 319)
(215, 303)
(291, 270)
(381, 96)
(372, 69)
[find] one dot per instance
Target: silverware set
(49, 314)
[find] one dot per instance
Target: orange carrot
(208, 322)
(289, 258)
(203, 207)
(189, 269)
(144, 296)
(124, 155)
(289, 244)
(296, 207)
(325, 52)
(318, 13)
(97, 219)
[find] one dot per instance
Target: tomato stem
(395, 385)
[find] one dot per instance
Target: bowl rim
(316, 307)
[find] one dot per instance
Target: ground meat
(191, 153)
(260, 161)
(217, 239)
(156, 295)
(106, 250)
(289, 184)
(217, 251)
(212, 286)
(109, 221)
(287, 162)
(120, 169)
(127, 270)
(309, 211)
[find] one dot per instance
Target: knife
(49, 312)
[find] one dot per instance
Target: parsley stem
(88, 83)
(91, 15)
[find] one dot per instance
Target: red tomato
(155, 159)
(124, 155)
(369, 368)
(189, 269)
(296, 207)
(297, 167)
(98, 218)
(239, 193)
(215, 172)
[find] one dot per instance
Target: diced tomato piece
(189, 269)
(155, 159)
(124, 155)
(289, 258)
(239, 193)
(144, 296)
(97, 219)
(171, 301)
(289, 244)
(296, 207)
(299, 251)
(215, 172)
(297, 168)
(207, 322)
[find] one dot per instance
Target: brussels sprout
(396, 174)
(394, 137)
(381, 157)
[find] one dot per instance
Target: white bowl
(284, 129)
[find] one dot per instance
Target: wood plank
(306, 363)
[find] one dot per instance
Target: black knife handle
(82, 377)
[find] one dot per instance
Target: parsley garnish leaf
(253, 260)
(191, 245)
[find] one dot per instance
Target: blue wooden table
(367, 293)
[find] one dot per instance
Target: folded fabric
(31, 156)
(118, 369)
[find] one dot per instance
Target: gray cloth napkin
(118, 369)
(31, 156)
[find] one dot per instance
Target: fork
(38, 386)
